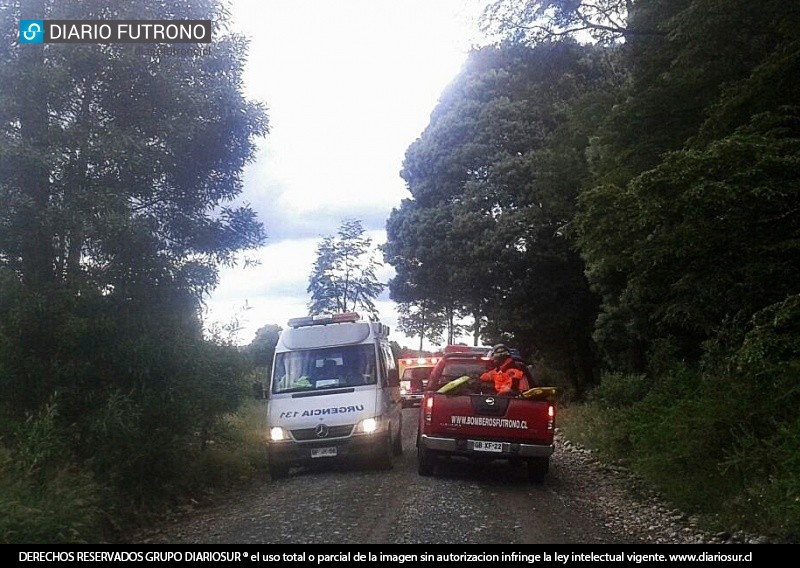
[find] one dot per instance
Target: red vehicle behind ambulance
(414, 375)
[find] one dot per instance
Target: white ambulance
(334, 393)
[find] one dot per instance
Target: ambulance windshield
(324, 368)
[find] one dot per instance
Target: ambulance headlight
(368, 425)
(278, 434)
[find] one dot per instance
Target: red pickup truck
(472, 421)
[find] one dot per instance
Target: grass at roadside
(46, 498)
(685, 451)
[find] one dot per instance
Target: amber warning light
(420, 361)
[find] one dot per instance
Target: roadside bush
(766, 452)
(138, 392)
(549, 375)
(604, 421)
(620, 390)
(44, 497)
(679, 432)
(237, 451)
(721, 439)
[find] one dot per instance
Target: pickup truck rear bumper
(466, 447)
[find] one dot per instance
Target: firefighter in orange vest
(509, 376)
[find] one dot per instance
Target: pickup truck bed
(483, 426)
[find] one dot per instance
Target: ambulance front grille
(304, 434)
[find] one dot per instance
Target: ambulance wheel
(425, 461)
(537, 469)
(397, 447)
(384, 458)
(278, 470)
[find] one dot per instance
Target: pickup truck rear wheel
(425, 461)
(537, 469)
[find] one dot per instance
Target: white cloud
(349, 85)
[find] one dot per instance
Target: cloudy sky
(349, 86)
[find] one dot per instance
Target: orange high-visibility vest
(503, 377)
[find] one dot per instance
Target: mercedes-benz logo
(490, 400)
(321, 430)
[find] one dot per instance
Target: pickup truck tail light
(551, 417)
(427, 408)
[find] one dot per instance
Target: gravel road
(580, 502)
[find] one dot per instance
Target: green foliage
(44, 497)
(235, 453)
(262, 349)
(260, 352)
(766, 449)
(122, 167)
(120, 173)
(132, 403)
(676, 227)
(723, 441)
(640, 194)
(702, 234)
(47, 499)
(422, 320)
(344, 275)
(544, 20)
(67, 509)
(618, 390)
(494, 178)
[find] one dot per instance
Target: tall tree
(125, 167)
(547, 20)
(121, 172)
(690, 90)
(422, 320)
(494, 178)
(262, 348)
(344, 276)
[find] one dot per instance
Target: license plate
(487, 446)
(323, 452)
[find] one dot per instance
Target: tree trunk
(33, 181)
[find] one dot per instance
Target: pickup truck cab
(334, 393)
(472, 421)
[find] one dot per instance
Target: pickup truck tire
(537, 469)
(425, 461)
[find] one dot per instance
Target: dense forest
(119, 178)
(624, 211)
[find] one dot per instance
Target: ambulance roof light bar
(420, 361)
(466, 349)
(324, 319)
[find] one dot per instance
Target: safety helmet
(500, 351)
